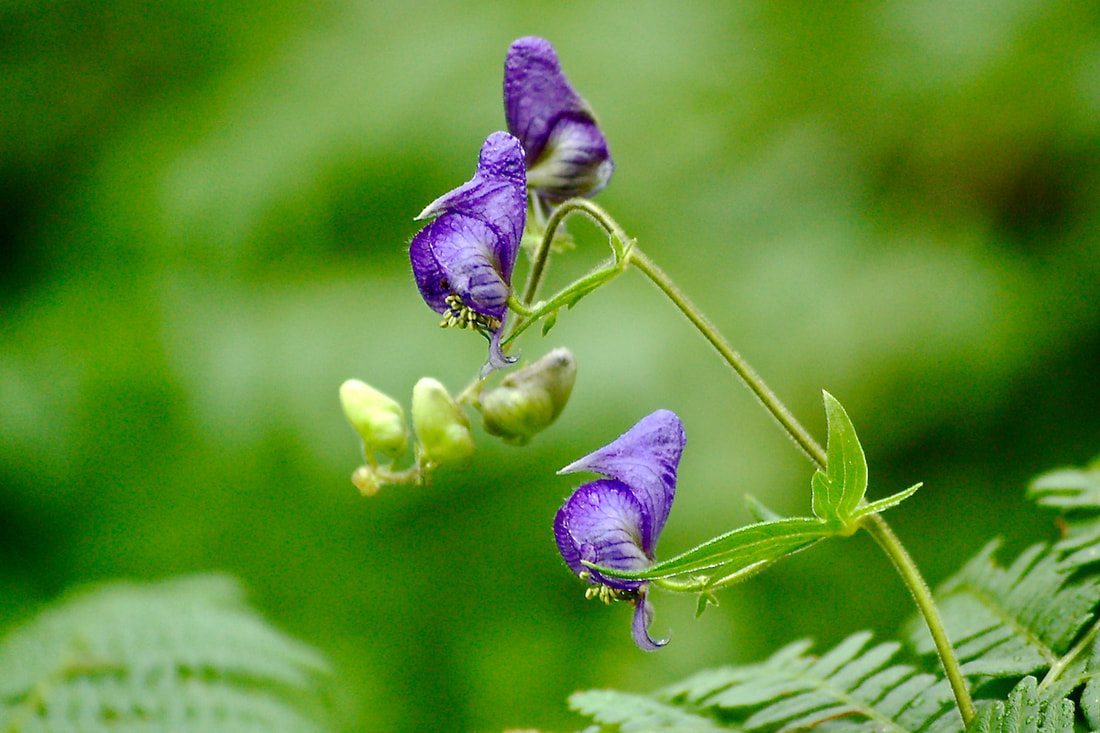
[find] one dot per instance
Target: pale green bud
(441, 426)
(366, 479)
(527, 401)
(379, 420)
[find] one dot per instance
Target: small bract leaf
(825, 496)
(888, 502)
(549, 323)
(759, 511)
(846, 465)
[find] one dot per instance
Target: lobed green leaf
(839, 490)
(183, 654)
(740, 549)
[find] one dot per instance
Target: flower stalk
(873, 522)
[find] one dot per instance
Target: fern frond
(851, 687)
(1025, 711)
(630, 712)
(177, 655)
(1076, 494)
(1012, 621)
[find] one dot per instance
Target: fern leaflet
(852, 687)
(177, 655)
(1013, 621)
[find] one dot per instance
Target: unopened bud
(527, 401)
(379, 420)
(366, 480)
(441, 426)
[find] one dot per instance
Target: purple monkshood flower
(566, 152)
(614, 522)
(463, 259)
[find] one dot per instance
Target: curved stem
(626, 254)
(1059, 667)
(874, 523)
(753, 381)
(542, 254)
(922, 596)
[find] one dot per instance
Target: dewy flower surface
(615, 521)
(463, 259)
(567, 154)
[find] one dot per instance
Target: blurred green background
(204, 212)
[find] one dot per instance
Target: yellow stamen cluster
(607, 594)
(463, 316)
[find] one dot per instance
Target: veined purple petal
(454, 254)
(639, 628)
(469, 250)
(566, 153)
(601, 523)
(574, 162)
(497, 195)
(645, 459)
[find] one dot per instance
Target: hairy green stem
(542, 254)
(751, 379)
(922, 596)
(874, 523)
(1081, 647)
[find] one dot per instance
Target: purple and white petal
(453, 254)
(497, 194)
(469, 249)
(574, 162)
(566, 153)
(601, 523)
(644, 458)
(536, 93)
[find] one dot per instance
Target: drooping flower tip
(528, 401)
(463, 259)
(614, 522)
(566, 153)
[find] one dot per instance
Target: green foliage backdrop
(203, 217)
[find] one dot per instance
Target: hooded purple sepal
(463, 259)
(600, 524)
(644, 458)
(614, 522)
(566, 154)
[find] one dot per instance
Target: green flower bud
(379, 420)
(527, 401)
(366, 479)
(441, 426)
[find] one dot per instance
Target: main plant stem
(874, 522)
(751, 379)
(628, 254)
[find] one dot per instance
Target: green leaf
(182, 655)
(794, 690)
(1024, 711)
(704, 600)
(1067, 489)
(1076, 494)
(840, 489)
(887, 503)
(737, 550)
(549, 323)
(1015, 620)
(638, 713)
